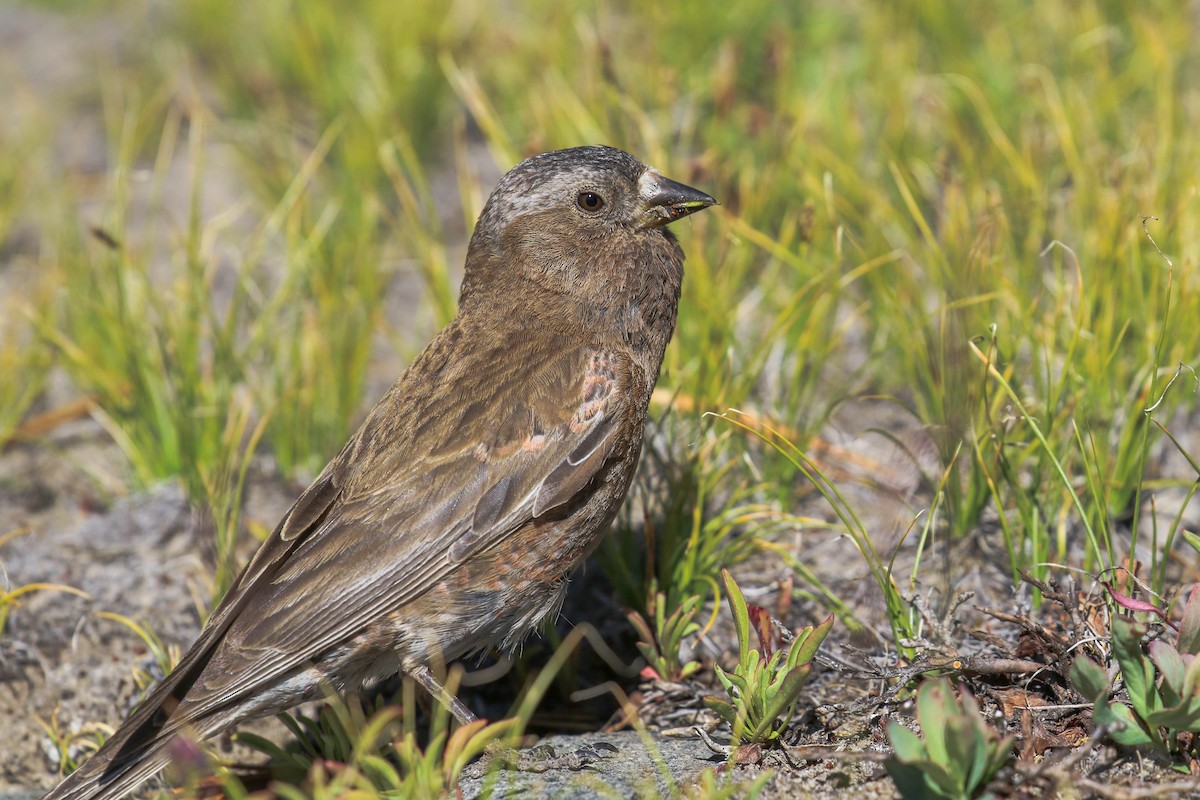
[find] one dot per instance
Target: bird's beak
(665, 200)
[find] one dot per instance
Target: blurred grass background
(912, 192)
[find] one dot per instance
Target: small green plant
(699, 513)
(27, 362)
(138, 333)
(72, 748)
(435, 769)
(957, 752)
(711, 785)
(9, 598)
(166, 656)
(1163, 689)
(765, 686)
(662, 646)
(346, 749)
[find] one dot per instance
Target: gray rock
(630, 767)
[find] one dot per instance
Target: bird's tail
(140, 747)
(91, 781)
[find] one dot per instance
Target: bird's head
(567, 216)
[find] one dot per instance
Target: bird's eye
(590, 202)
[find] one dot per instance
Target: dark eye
(590, 202)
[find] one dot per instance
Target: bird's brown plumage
(452, 518)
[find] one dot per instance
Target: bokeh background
(955, 263)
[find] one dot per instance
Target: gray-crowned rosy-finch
(451, 520)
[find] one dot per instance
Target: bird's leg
(422, 675)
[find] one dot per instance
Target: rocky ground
(68, 518)
(65, 667)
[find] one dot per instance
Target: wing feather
(352, 550)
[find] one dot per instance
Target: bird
(450, 522)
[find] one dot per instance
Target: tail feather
(138, 750)
(89, 783)
(139, 747)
